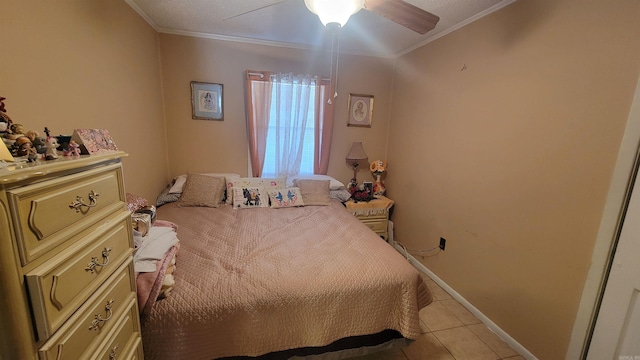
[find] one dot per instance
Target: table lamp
(355, 158)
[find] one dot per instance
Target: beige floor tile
(517, 357)
(391, 354)
(464, 344)
(461, 312)
(437, 292)
(437, 317)
(424, 328)
(427, 347)
(493, 341)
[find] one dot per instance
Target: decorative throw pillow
(202, 190)
(265, 183)
(288, 197)
(314, 192)
(249, 197)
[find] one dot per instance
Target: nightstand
(374, 214)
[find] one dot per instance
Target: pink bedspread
(255, 281)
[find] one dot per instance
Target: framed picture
(360, 110)
(368, 187)
(206, 101)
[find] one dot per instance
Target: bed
(275, 283)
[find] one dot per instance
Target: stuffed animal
(52, 148)
(72, 150)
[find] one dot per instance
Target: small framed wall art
(206, 101)
(360, 110)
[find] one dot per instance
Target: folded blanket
(150, 285)
(159, 282)
(153, 248)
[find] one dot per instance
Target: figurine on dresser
(378, 168)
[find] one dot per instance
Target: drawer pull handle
(91, 266)
(79, 203)
(112, 354)
(98, 320)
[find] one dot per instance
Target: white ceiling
(290, 23)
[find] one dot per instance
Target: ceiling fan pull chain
(336, 34)
(331, 74)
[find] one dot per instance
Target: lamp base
(353, 185)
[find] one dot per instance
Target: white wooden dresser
(66, 275)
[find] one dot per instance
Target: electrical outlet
(443, 243)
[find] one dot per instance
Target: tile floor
(449, 332)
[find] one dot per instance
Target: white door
(617, 330)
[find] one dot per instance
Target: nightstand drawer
(380, 216)
(51, 212)
(59, 287)
(90, 326)
(378, 226)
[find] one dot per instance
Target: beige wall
(87, 64)
(221, 146)
(503, 138)
(502, 135)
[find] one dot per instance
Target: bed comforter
(255, 281)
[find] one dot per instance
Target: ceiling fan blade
(405, 14)
(252, 10)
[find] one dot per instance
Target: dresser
(67, 281)
(373, 213)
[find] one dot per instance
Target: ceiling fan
(398, 11)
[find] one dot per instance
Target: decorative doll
(378, 168)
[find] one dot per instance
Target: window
(290, 123)
(276, 135)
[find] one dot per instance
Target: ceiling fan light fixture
(334, 11)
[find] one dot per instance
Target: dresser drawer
(58, 287)
(86, 330)
(126, 342)
(48, 213)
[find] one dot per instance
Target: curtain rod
(262, 76)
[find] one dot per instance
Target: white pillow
(266, 183)
(334, 184)
(289, 197)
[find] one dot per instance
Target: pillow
(342, 195)
(178, 184)
(249, 197)
(314, 192)
(202, 190)
(266, 183)
(333, 183)
(288, 197)
(165, 197)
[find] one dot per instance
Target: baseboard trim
(482, 317)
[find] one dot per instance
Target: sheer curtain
(286, 99)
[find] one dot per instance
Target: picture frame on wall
(360, 110)
(206, 101)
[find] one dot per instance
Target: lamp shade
(334, 11)
(357, 154)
